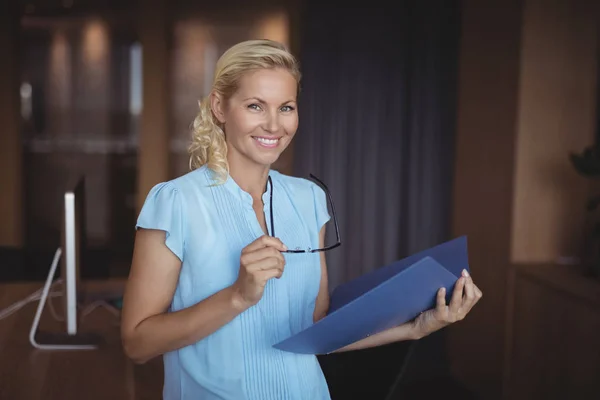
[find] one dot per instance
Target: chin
(265, 160)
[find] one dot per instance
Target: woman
(210, 287)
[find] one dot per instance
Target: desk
(106, 373)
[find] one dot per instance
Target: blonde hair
(208, 145)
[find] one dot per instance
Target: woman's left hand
(464, 297)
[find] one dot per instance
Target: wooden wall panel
(487, 110)
(557, 112)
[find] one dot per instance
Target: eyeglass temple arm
(271, 208)
(333, 246)
(335, 223)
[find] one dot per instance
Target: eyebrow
(264, 102)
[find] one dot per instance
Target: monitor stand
(62, 341)
(57, 341)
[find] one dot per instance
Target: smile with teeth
(266, 142)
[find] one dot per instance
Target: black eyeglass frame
(333, 216)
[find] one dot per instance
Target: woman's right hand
(260, 261)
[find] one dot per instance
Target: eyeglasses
(335, 222)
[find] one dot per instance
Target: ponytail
(208, 142)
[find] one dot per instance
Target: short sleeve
(163, 210)
(320, 198)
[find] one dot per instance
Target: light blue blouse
(207, 227)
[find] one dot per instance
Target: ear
(217, 104)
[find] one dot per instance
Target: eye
(287, 108)
(254, 106)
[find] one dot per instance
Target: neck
(250, 177)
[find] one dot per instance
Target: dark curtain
(377, 121)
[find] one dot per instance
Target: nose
(272, 123)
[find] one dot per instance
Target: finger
(469, 298)
(264, 241)
(478, 293)
(441, 299)
(264, 276)
(247, 259)
(266, 264)
(457, 295)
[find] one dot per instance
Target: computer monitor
(74, 244)
(71, 256)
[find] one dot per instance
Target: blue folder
(382, 299)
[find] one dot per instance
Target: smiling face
(261, 118)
